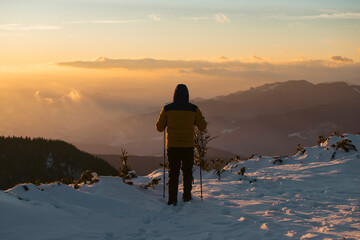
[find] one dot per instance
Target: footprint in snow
(226, 211)
(109, 235)
(146, 220)
(230, 204)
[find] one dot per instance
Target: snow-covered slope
(312, 195)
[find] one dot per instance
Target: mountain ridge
(333, 103)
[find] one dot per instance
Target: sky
(76, 58)
(40, 31)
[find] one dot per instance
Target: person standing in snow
(180, 117)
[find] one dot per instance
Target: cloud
(182, 71)
(243, 74)
(341, 59)
(221, 18)
(138, 64)
(20, 27)
(358, 50)
(196, 18)
(154, 17)
(256, 58)
(260, 71)
(37, 94)
(224, 63)
(74, 95)
(223, 58)
(335, 15)
(340, 15)
(55, 97)
(106, 21)
(43, 99)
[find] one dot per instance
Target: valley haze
(244, 122)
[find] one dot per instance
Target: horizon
(70, 132)
(67, 65)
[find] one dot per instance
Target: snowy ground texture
(307, 196)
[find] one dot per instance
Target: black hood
(181, 94)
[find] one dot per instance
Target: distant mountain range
(274, 118)
(270, 119)
(144, 165)
(267, 120)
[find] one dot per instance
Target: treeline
(38, 160)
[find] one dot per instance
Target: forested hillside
(40, 160)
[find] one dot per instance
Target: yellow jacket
(180, 117)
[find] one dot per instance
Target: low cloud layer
(143, 64)
(20, 27)
(71, 95)
(257, 63)
(326, 16)
(341, 59)
(323, 70)
(106, 21)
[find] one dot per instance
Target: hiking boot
(172, 202)
(187, 198)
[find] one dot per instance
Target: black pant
(177, 157)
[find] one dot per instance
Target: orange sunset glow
(73, 62)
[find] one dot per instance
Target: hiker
(180, 117)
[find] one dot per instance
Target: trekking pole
(201, 195)
(164, 163)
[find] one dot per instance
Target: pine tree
(218, 165)
(201, 141)
(152, 183)
(321, 139)
(345, 145)
(300, 149)
(166, 165)
(125, 171)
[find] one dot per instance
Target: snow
(49, 161)
(307, 196)
(296, 135)
(229, 130)
(272, 87)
